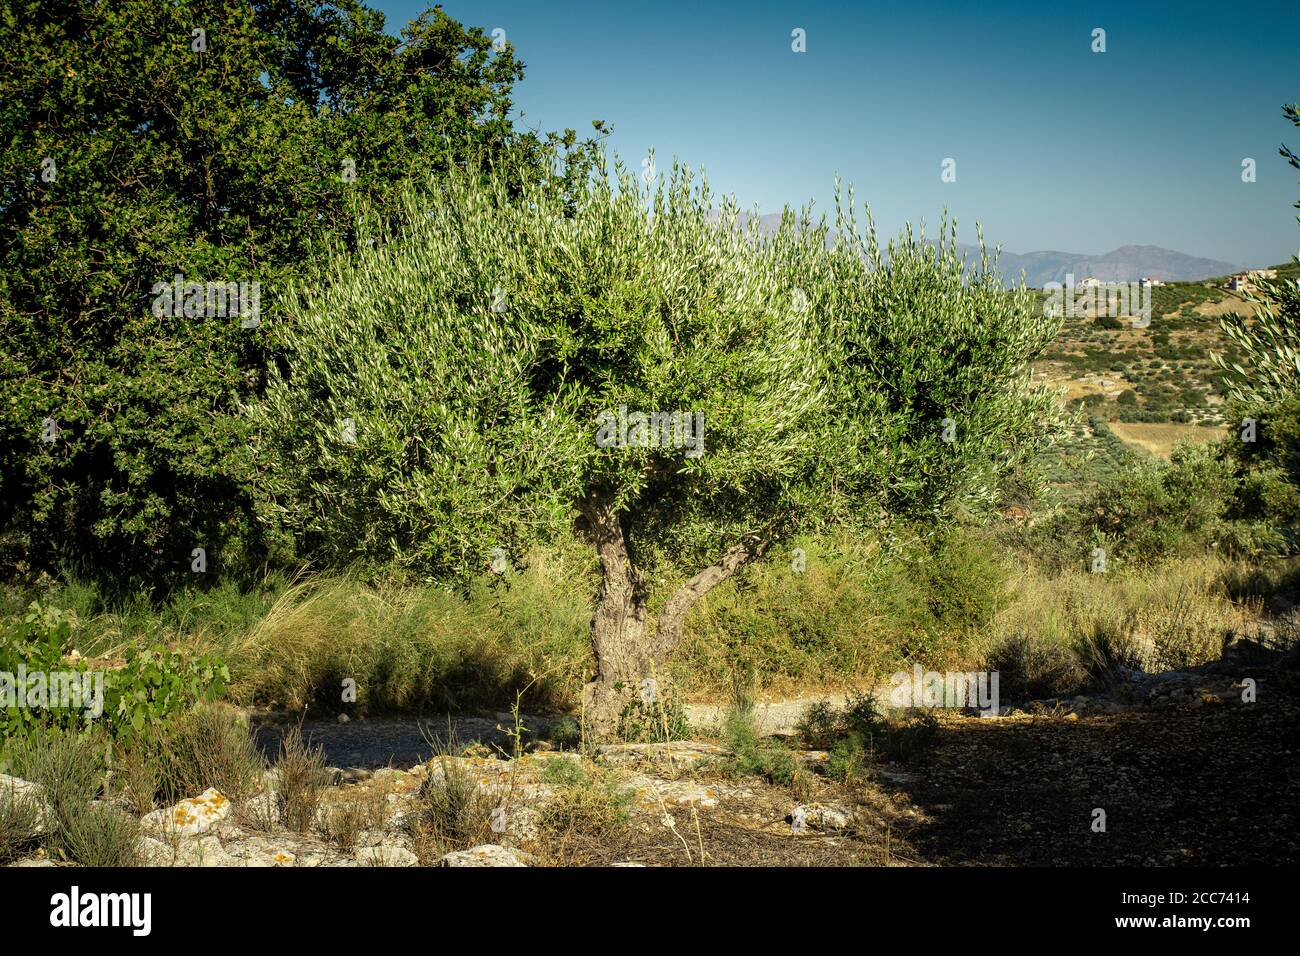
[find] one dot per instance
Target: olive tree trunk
(626, 648)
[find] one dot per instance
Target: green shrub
(101, 834)
(1031, 667)
(69, 768)
(209, 746)
(858, 735)
(857, 611)
(36, 641)
(301, 775)
(1153, 510)
(750, 753)
(19, 826)
(658, 719)
(151, 689)
(586, 799)
(150, 461)
(155, 686)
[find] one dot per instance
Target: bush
(1154, 510)
(36, 641)
(301, 775)
(414, 645)
(149, 461)
(858, 610)
(585, 799)
(151, 688)
(101, 834)
(658, 718)
(751, 754)
(69, 768)
(1031, 667)
(452, 813)
(19, 826)
(207, 747)
(858, 735)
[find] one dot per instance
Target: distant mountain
(1125, 264)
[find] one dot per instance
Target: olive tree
(500, 364)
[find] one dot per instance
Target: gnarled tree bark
(618, 628)
(668, 633)
(625, 648)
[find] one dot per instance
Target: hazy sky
(1056, 147)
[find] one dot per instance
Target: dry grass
(1159, 438)
(454, 813)
(342, 820)
(409, 646)
(301, 776)
(19, 824)
(1172, 616)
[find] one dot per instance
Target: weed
(302, 775)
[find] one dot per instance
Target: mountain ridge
(1127, 263)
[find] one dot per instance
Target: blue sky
(1056, 147)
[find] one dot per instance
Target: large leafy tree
(216, 139)
(470, 382)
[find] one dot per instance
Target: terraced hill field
(1143, 389)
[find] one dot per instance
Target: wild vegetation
(514, 429)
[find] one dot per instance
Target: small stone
(151, 852)
(344, 718)
(189, 817)
(489, 854)
(386, 855)
(819, 816)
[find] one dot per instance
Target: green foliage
(35, 641)
(155, 686)
(656, 719)
(858, 735)
(478, 428)
(414, 644)
(1268, 343)
(856, 611)
(1153, 510)
(751, 754)
(227, 165)
(565, 733)
(148, 691)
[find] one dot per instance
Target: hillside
(1144, 389)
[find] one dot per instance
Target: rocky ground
(1186, 769)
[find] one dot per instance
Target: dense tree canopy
(219, 141)
(498, 365)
